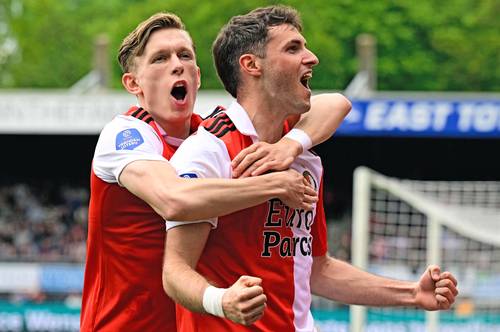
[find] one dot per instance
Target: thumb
(435, 272)
(250, 281)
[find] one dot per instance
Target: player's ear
(129, 81)
(198, 78)
(250, 64)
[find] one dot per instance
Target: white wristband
(212, 300)
(301, 137)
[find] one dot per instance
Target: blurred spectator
(43, 223)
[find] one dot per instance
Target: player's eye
(159, 58)
(292, 49)
(186, 55)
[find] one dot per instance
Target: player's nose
(177, 65)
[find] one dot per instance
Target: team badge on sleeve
(188, 175)
(128, 139)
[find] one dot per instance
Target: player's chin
(306, 99)
(305, 106)
(183, 110)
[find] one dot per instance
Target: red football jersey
(123, 287)
(270, 241)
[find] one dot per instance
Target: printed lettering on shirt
(278, 216)
(128, 139)
(188, 175)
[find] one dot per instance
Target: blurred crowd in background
(48, 223)
(43, 222)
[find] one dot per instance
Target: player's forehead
(168, 39)
(284, 33)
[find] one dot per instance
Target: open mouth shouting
(179, 92)
(304, 80)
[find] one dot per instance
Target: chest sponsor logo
(279, 216)
(128, 139)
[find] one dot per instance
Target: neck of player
(267, 118)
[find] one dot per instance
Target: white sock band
(301, 137)
(212, 300)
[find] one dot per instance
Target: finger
(446, 291)
(265, 167)
(306, 182)
(243, 153)
(274, 165)
(249, 320)
(306, 206)
(251, 168)
(442, 301)
(255, 314)
(251, 294)
(251, 304)
(249, 281)
(255, 318)
(448, 275)
(248, 160)
(310, 191)
(434, 272)
(244, 164)
(310, 200)
(447, 283)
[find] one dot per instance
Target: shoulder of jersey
(218, 123)
(140, 114)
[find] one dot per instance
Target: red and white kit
(123, 288)
(270, 241)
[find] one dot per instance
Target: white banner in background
(19, 277)
(40, 112)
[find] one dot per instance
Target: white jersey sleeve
(201, 156)
(122, 141)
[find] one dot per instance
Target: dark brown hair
(247, 34)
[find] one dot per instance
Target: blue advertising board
(63, 278)
(423, 118)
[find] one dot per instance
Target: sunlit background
(424, 79)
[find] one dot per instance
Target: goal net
(401, 226)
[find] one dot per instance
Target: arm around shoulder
(174, 198)
(156, 183)
(327, 112)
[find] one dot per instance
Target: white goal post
(401, 226)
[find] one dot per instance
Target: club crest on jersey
(189, 176)
(128, 139)
(308, 176)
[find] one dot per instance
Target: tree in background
(426, 45)
(8, 45)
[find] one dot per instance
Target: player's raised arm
(174, 198)
(328, 110)
(314, 127)
(340, 281)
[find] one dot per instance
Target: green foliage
(425, 45)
